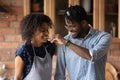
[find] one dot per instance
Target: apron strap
(33, 50)
(46, 50)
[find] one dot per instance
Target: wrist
(64, 41)
(68, 43)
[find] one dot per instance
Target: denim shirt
(79, 68)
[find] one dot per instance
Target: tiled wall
(10, 38)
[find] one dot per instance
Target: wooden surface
(111, 73)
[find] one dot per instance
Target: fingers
(53, 39)
(57, 38)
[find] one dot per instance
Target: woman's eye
(43, 30)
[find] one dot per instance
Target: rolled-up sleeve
(101, 47)
(61, 64)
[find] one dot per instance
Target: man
(83, 51)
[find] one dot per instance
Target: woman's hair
(75, 13)
(32, 23)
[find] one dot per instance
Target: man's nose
(70, 29)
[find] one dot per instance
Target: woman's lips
(45, 38)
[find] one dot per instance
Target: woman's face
(41, 35)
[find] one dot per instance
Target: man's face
(74, 28)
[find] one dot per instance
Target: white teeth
(47, 38)
(72, 33)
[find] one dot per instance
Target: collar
(91, 31)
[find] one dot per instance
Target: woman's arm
(19, 65)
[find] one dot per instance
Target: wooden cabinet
(37, 6)
(103, 14)
(107, 13)
(111, 17)
(60, 6)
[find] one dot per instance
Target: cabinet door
(88, 6)
(61, 5)
(103, 15)
(37, 6)
(111, 17)
(33, 6)
(92, 8)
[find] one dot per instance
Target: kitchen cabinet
(108, 16)
(36, 6)
(111, 17)
(103, 14)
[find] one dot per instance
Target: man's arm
(60, 65)
(90, 54)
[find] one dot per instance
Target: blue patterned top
(26, 53)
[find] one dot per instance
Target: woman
(33, 59)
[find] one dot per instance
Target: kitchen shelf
(98, 17)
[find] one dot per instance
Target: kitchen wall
(10, 38)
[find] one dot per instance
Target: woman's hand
(58, 39)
